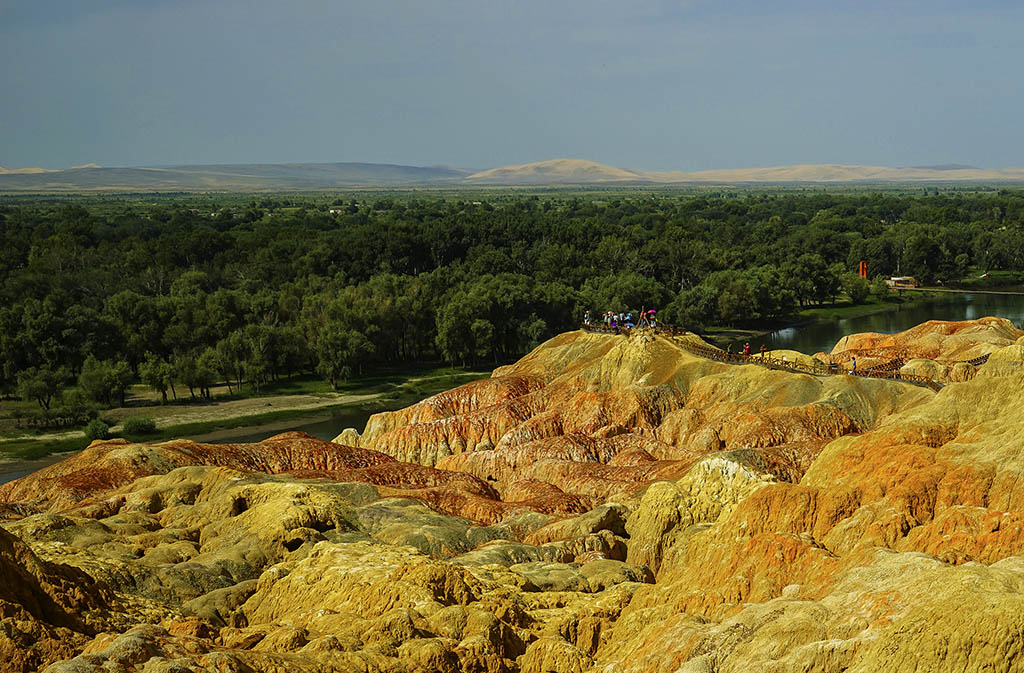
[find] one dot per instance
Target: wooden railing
(978, 361)
(892, 365)
(845, 356)
(888, 370)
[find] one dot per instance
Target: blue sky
(661, 85)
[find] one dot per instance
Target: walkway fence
(889, 370)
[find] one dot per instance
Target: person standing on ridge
(746, 349)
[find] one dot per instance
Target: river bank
(823, 326)
(12, 468)
(253, 418)
(823, 334)
(734, 338)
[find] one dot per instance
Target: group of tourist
(746, 349)
(645, 318)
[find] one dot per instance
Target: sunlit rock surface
(938, 339)
(938, 349)
(605, 504)
(601, 417)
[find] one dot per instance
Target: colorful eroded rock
(606, 503)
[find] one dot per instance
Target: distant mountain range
(309, 176)
(226, 177)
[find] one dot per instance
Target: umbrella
(652, 311)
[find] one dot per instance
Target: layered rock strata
(600, 417)
(940, 350)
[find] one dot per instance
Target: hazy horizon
(473, 169)
(681, 86)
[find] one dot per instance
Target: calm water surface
(822, 336)
(11, 476)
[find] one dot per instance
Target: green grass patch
(39, 448)
(26, 449)
(996, 280)
(400, 393)
(843, 309)
(204, 427)
(304, 385)
(730, 337)
(379, 381)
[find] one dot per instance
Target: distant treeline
(181, 296)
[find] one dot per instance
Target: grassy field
(293, 399)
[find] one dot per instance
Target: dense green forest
(180, 294)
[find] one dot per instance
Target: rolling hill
(319, 176)
(842, 173)
(555, 171)
(229, 177)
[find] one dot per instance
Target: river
(823, 335)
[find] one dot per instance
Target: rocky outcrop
(848, 563)
(601, 417)
(463, 400)
(106, 465)
(47, 610)
(235, 570)
(672, 512)
(936, 349)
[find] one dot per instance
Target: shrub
(97, 429)
(139, 425)
(879, 288)
(32, 452)
(856, 288)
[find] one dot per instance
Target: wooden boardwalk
(889, 370)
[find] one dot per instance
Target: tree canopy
(192, 289)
